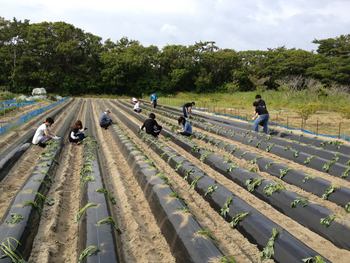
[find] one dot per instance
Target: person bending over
(261, 115)
(76, 134)
(105, 119)
(187, 109)
(43, 134)
(186, 126)
(151, 125)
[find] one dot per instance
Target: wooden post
(287, 122)
(317, 127)
(339, 130)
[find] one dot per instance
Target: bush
(345, 112)
(307, 110)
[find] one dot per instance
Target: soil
(141, 237)
(230, 241)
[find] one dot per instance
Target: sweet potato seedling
(83, 210)
(211, 189)
(8, 248)
(253, 183)
(238, 218)
(268, 251)
(327, 220)
(87, 252)
(226, 207)
(315, 259)
(273, 187)
(331, 189)
(14, 219)
(299, 201)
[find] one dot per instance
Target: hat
(108, 110)
(134, 99)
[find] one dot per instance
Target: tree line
(66, 60)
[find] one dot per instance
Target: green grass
(276, 100)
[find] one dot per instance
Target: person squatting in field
(151, 125)
(187, 109)
(261, 115)
(186, 126)
(76, 134)
(43, 134)
(137, 107)
(105, 119)
(154, 99)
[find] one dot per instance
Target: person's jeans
(262, 120)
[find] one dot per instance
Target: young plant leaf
(211, 189)
(83, 210)
(315, 259)
(331, 189)
(226, 207)
(327, 220)
(299, 201)
(238, 218)
(253, 183)
(87, 252)
(273, 187)
(268, 251)
(15, 219)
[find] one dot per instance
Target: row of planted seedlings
(331, 145)
(332, 156)
(9, 156)
(317, 218)
(339, 195)
(96, 226)
(274, 241)
(20, 223)
(186, 238)
(18, 228)
(332, 166)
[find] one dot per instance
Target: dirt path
(19, 174)
(313, 240)
(57, 238)
(141, 237)
(229, 240)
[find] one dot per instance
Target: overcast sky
(237, 24)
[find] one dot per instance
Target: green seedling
(309, 159)
(331, 189)
(227, 259)
(14, 219)
(273, 187)
(269, 147)
(346, 173)
(194, 182)
(107, 195)
(174, 194)
(8, 248)
(295, 153)
(286, 148)
(284, 172)
(171, 157)
(253, 183)
(211, 189)
(253, 169)
(32, 204)
(204, 155)
(327, 220)
(206, 233)
(83, 210)
(231, 167)
(347, 207)
(110, 221)
(226, 207)
(268, 251)
(299, 201)
(178, 166)
(87, 178)
(195, 148)
(315, 259)
(238, 218)
(244, 153)
(185, 209)
(188, 173)
(87, 252)
(258, 144)
(308, 177)
(268, 165)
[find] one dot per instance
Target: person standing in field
(261, 115)
(187, 109)
(43, 134)
(105, 119)
(154, 99)
(76, 134)
(186, 126)
(151, 125)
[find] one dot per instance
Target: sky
(236, 24)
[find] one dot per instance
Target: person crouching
(76, 134)
(186, 126)
(151, 125)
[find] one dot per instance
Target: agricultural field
(225, 194)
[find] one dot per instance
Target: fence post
(339, 130)
(317, 127)
(287, 122)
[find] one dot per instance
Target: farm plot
(123, 196)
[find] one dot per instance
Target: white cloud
(238, 24)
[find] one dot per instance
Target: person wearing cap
(187, 108)
(43, 134)
(105, 119)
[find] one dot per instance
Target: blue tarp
(26, 117)
(13, 103)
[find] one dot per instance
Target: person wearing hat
(105, 119)
(137, 106)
